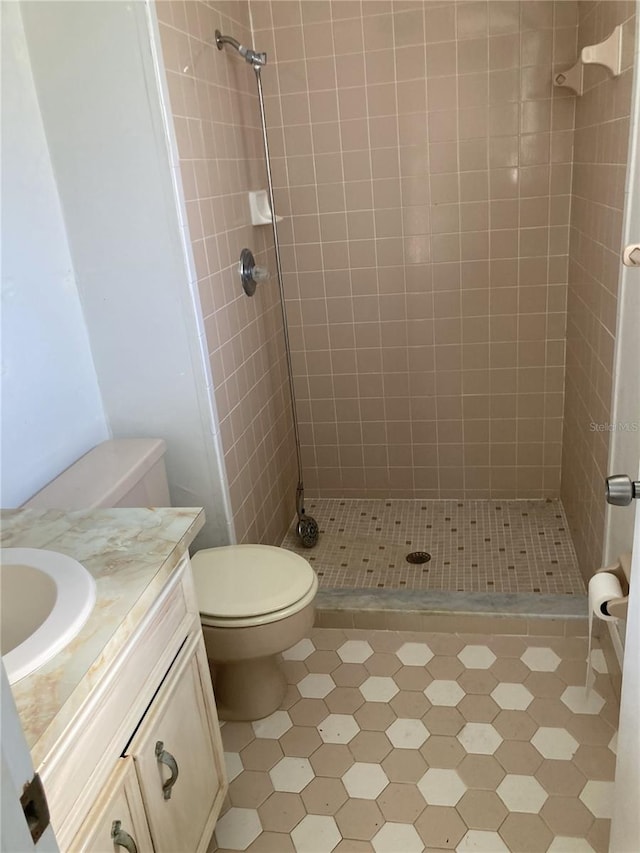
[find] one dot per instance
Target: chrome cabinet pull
(165, 757)
(122, 838)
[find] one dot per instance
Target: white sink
(46, 598)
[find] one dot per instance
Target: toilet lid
(249, 580)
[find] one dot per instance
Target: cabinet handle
(165, 757)
(122, 838)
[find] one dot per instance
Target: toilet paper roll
(604, 587)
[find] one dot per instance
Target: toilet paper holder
(622, 570)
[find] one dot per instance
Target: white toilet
(255, 601)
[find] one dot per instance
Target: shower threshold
(512, 559)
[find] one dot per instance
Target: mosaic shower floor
(505, 546)
(398, 742)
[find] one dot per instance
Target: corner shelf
(607, 53)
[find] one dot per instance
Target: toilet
(255, 601)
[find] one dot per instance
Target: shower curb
(459, 612)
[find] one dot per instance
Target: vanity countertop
(131, 554)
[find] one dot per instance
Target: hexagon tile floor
(401, 742)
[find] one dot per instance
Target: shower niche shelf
(607, 53)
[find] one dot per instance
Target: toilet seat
(244, 585)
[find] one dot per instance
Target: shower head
(253, 57)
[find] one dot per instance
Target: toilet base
(248, 679)
(248, 689)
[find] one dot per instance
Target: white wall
(51, 406)
(95, 76)
(624, 447)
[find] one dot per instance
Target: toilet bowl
(255, 601)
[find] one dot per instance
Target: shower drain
(417, 557)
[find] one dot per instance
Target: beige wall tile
(597, 198)
(427, 191)
(220, 159)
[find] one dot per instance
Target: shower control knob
(250, 274)
(621, 490)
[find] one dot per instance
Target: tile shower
(468, 546)
(428, 253)
(450, 227)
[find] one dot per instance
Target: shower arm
(253, 57)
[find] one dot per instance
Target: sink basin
(46, 598)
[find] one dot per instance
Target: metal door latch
(621, 490)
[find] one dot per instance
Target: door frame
(621, 528)
(17, 771)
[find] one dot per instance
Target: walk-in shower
(444, 272)
(306, 526)
(418, 546)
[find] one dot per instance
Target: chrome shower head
(253, 57)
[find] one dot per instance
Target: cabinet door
(117, 821)
(178, 757)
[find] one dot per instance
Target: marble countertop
(131, 554)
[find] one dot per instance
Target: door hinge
(35, 807)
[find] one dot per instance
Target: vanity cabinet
(146, 752)
(175, 760)
(117, 820)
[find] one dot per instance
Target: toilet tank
(125, 472)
